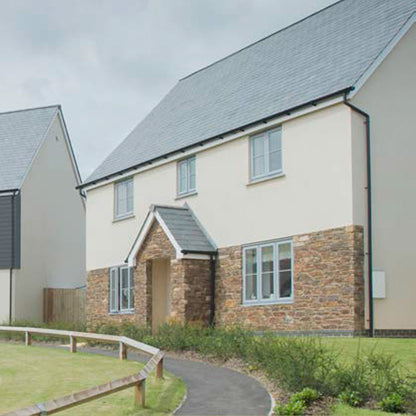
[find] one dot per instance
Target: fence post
(122, 351)
(159, 369)
(28, 338)
(140, 393)
(72, 344)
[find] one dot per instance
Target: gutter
(369, 212)
(212, 269)
(217, 137)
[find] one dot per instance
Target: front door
(160, 292)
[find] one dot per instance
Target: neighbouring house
(42, 215)
(272, 189)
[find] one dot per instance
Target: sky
(109, 62)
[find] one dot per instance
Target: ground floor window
(121, 293)
(267, 272)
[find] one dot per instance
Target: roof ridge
(31, 109)
(262, 39)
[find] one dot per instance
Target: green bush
(351, 398)
(292, 408)
(307, 396)
(393, 403)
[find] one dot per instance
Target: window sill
(126, 217)
(129, 312)
(193, 193)
(266, 178)
(268, 302)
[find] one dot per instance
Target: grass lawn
(403, 350)
(343, 410)
(31, 375)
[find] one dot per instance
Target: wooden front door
(160, 292)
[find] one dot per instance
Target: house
(42, 215)
(272, 189)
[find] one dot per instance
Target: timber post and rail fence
(136, 381)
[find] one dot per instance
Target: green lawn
(343, 410)
(31, 375)
(402, 349)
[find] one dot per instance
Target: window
(121, 290)
(267, 273)
(186, 176)
(266, 154)
(123, 198)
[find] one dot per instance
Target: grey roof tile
(21, 134)
(311, 59)
(185, 229)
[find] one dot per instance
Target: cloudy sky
(108, 62)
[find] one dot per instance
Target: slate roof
(318, 56)
(185, 229)
(21, 134)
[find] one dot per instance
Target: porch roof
(181, 227)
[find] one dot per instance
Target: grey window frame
(188, 189)
(117, 185)
(276, 274)
(265, 135)
(116, 273)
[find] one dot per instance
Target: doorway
(160, 292)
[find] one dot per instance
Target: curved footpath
(211, 390)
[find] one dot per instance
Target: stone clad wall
(190, 287)
(327, 279)
(328, 286)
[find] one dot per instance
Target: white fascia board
(131, 259)
(273, 122)
(194, 256)
(69, 147)
(382, 56)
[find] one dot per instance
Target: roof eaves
(313, 102)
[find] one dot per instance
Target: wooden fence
(137, 381)
(64, 305)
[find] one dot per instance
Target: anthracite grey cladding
(9, 231)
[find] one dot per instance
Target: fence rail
(137, 381)
(63, 305)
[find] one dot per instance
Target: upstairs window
(266, 154)
(186, 176)
(267, 273)
(121, 290)
(123, 198)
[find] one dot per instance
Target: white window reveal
(266, 154)
(186, 176)
(121, 290)
(123, 198)
(267, 273)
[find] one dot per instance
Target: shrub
(292, 408)
(307, 396)
(295, 363)
(393, 403)
(351, 398)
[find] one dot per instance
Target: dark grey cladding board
(9, 231)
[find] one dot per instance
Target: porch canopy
(183, 230)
